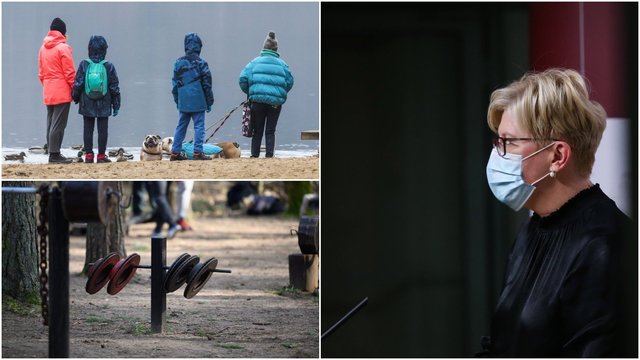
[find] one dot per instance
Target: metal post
(58, 278)
(158, 294)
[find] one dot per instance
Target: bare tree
(19, 244)
(103, 239)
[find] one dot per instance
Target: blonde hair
(553, 104)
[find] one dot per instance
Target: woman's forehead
(509, 126)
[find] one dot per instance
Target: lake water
(144, 41)
(39, 158)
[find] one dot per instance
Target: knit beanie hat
(270, 42)
(58, 24)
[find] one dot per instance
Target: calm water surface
(144, 41)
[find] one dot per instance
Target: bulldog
(151, 148)
(167, 144)
(230, 150)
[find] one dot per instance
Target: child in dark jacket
(96, 107)
(193, 95)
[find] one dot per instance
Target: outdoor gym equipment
(186, 268)
(79, 201)
(308, 235)
(118, 272)
(304, 267)
(82, 201)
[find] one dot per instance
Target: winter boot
(102, 158)
(200, 156)
(178, 157)
(57, 158)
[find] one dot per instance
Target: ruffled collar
(571, 209)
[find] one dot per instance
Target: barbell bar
(167, 267)
(20, 190)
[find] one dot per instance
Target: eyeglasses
(500, 143)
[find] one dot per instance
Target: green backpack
(95, 81)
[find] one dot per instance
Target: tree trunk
(101, 239)
(19, 244)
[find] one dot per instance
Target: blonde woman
(561, 281)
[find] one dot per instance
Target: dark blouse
(559, 295)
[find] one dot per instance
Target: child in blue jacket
(193, 94)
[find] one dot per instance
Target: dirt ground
(248, 313)
(242, 168)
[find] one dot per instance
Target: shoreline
(303, 168)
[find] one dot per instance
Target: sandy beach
(242, 168)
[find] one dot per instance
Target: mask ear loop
(537, 151)
(551, 173)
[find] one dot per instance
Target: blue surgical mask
(504, 175)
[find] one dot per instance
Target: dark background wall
(408, 219)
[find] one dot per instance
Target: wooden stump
(303, 271)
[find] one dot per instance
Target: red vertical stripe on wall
(554, 37)
(605, 55)
(555, 42)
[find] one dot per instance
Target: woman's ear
(561, 156)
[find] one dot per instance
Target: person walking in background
(193, 93)
(138, 190)
(183, 202)
(267, 81)
(163, 213)
(96, 88)
(56, 72)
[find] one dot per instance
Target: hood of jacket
(192, 44)
(53, 39)
(97, 48)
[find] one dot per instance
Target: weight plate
(174, 267)
(176, 263)
(99, 273)
(199, 277)
(95, 265)
(179, 277)
(122, 273)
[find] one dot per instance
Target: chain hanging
(43, 232)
